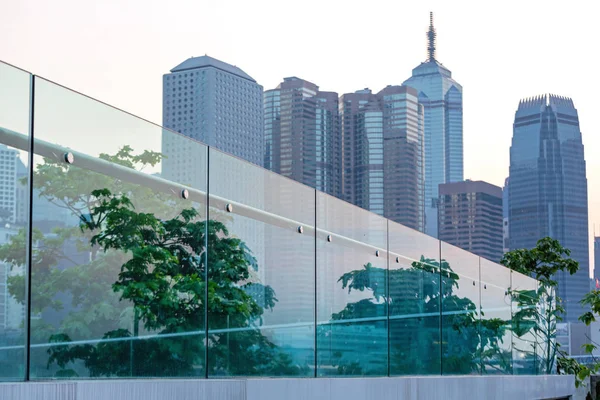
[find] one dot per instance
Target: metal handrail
(82, 160)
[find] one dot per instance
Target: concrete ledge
(417, 388)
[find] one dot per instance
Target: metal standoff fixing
(69, 158)
(485, 286)
(300, 229)
(229, 207)
(473, 283)
(397, 259)
(185, 194)
(376, 253)
(329, 238)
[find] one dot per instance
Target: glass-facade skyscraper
(382, 137)
(441, 97)
(302, 134)
(548, 187)
(597, 257)
(470, 217)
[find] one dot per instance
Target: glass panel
(352, 335)
(118, 276)
(14, 218)
(546, 332)
(460, 311)
(524, 320)
(414, 299)
(496, 355)
(261, 272)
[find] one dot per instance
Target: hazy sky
(117, 51)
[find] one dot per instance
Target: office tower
(9, 162)
(548, 188)
(470, 217)
(441, 97)
(382, 157)
(505, 220)
(597, 258)
(361, 117)
(302, 134)
(215, 103)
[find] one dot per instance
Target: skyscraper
(302, 134)
(361, 117)
(382, 153)
(548, 187)
(505, 220)
(441, 97)
(471, 217)
(215, 103)
(597, 257)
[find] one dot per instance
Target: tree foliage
(540, 309)
(120, 292)
(419, 294)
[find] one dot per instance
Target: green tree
(540, 309)
(143, 285)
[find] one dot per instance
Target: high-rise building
(470, 217)
(548, 188)
(215, 103)
(8, 184)
(441, 97)
(382, 155)
(505, 220)
(361, 117)
(302, 134)
(597, 258)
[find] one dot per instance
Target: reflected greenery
(121, 292)
(120, 289)
(415, 298)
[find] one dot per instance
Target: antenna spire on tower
(431, 39)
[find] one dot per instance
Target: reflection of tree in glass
(539, 308)
(145, 276)
(414, 298)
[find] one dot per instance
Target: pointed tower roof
(431, 40)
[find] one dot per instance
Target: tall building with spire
(441, 97)
(548, 188)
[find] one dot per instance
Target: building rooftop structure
(207, 61)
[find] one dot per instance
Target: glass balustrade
(128, 250)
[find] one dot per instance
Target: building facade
(382, 137)
(505, 220)
(470, 217)
(548, 187)
(597, 258)
(215, 103)
(302, 134)
(441, 97)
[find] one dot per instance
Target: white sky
(117, 51)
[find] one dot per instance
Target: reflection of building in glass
(12, 313)
(9, 160)
(548, 187)
(215, 103)
(471, 217)
(302, 134)
(441, 97)
(383, 153)
(505, 220)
